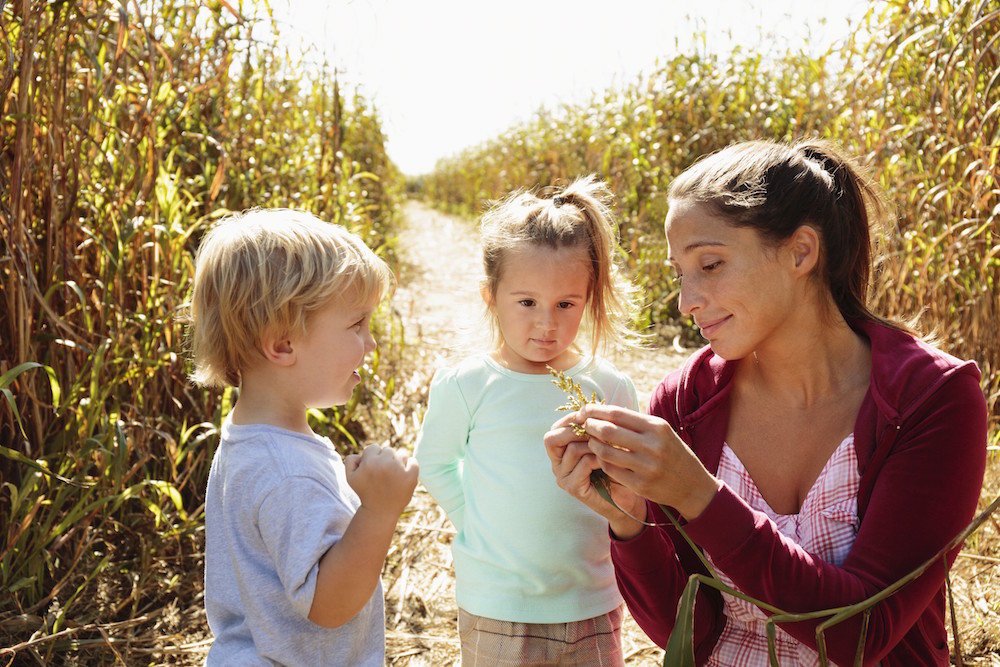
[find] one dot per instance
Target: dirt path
(438, 296)
(439, 303)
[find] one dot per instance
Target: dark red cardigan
(921, 442)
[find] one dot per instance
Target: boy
(295, 537)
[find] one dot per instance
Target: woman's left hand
(572, 464)
(644, 454)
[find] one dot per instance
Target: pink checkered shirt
(825, 526)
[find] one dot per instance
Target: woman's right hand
(572, 463)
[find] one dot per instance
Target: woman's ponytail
(612, 299)
(854, 202)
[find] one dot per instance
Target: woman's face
(738, 290)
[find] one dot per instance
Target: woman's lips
(711, 328)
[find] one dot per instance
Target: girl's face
(539, 303)
(738, 291)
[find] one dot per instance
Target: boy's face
(327, 357)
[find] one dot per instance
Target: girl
(534, 579)
(817, 451)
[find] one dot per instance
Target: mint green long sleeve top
(525, 550)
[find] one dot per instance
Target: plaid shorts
(596, 642)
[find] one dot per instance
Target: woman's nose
(690, 298)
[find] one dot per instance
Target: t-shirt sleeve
(440, 448)
(624, 394)
(299, 520)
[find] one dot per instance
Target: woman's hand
(644, 454)
(572, 463)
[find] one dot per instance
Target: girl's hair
(578, 216)
(262, 272)
(775, 188)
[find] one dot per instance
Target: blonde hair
(262, 272)
(578, 216)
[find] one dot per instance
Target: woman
(815, 451)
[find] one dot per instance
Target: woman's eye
(712, 267)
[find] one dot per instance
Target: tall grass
(930, 126)
(915, 92)
(126, 129)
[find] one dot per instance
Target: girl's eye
(527, 302)
(566, 304)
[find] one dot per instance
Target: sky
(448, 74)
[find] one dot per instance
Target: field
(127, 132)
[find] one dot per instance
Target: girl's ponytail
(612, 299)
(579, 215)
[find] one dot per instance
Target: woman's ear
(278, 350)
(804, 245)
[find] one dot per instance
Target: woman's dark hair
(775, 188)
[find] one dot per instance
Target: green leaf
(15, 455)
(169, 490)
(12, 404)
(680, 647)
(21, 583)
(8, 378)
(154, 509)
(340, 427)
(599, 480)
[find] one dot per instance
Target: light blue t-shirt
(526, 551)
(277, 500)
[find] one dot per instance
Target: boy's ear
(278, 350)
